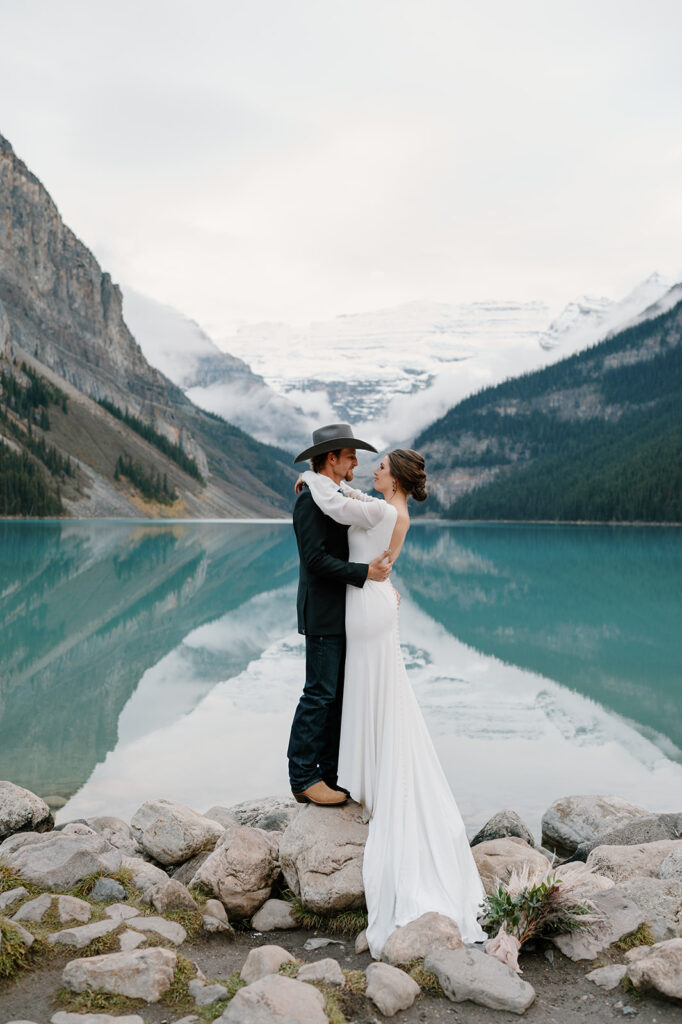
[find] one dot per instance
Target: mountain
(596, 436)
(214, 380)
(82, 410)
(393, 372)
(589, 320)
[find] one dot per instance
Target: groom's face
(346, 462)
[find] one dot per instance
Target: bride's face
(383, 480)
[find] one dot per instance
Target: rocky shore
(170, 918)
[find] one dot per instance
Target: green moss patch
(346, 922)
(640, 937)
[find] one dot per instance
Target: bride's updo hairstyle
(407, 467)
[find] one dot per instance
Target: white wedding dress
(417, 857)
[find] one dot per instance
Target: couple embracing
(358, 730)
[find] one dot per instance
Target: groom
(321, 605)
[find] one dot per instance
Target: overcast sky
(296, 159)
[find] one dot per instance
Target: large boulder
(573, 820)
(618, 915)
(241, 870)
(117, 832)
(276, 1000)
(497, 858)
(272, 813)
(504, 823)
(623, 862)
(471, 974)
(22, 811)
(321, 855)
(647, 829)
(59, 860)
(660, 900)
(420, 937)
(660, 969)
(172, 833)
(138, 973)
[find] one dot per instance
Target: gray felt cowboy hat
(331, 438)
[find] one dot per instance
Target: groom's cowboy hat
(330, 439)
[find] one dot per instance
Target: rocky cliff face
(59, 309)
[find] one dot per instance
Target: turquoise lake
(141, 660)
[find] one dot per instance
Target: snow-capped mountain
(212, 379)
(390, 373)
(589, 320)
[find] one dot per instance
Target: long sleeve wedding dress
(417, 857)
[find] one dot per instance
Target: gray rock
(660, 900)
(22, 811)
(184, 873)
(214, 925)
(624, 862)
(584, 882)
(660, 969)
(241, 870)
(274, 915)
(94, 1018)
(671, 868)
(216, 909)
(321, 855)
(139, 973)
(70, 908)
(172, 833)
(121, 912)
(573, 820)
(58, 860)
(637, 953)
(361, 943)
(310, 945)
(390, 989)
(118, 833)
(608, 977)
(170, 930)
(649, 828)
(12, 896)
(145, 876)
(83, 936)
(264, 960)
(420, 937)
(276, 1000)
(504, 823)
(497, 858)
(35, 909)
(106, 890)
(23, 933)
(204, 994)
(327, 971)
(129, 939)
(172, 895)
(619, 916)
(470, 974)
(271, 813)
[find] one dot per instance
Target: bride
(417, 857)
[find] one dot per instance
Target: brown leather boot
(320, 793)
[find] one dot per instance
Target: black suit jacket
(324, 570)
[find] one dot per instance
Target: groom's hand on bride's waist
(380, 567)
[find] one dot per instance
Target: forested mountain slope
(597, 436)
(132, 440)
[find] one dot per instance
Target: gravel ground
(564, 996)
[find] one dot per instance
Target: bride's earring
(395, 486)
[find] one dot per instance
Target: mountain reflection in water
(138, 657)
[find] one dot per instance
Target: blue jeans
(314, 741)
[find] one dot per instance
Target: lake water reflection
(143, 660)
